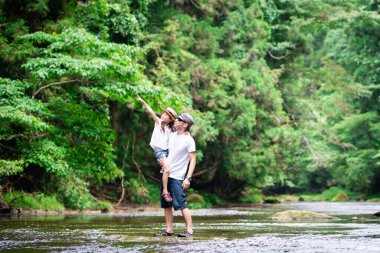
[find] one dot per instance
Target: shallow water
(236, 229)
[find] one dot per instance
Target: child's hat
(172, 114)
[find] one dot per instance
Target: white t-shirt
(180, 145)
(160, 138)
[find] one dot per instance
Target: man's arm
(186, 181)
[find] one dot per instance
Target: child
(159, 141)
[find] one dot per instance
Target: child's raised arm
(149, 109)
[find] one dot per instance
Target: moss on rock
(300, 215)
(195, 198)
(341, 196)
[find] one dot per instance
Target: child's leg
(165, 175)
(165, 180)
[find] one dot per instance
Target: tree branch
(57, 83)
(14, 136)
(122, 192)
(196, 5)
(278, 57)
(11, 148)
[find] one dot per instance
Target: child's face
(165, 118)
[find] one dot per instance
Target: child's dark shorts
(160, 153)
(178, 194)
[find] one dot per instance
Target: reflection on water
(243, 229)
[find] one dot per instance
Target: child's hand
(161, 162)
(139, 99)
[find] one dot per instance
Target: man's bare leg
(187, 217)
(169, 217)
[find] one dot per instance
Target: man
(181, 161)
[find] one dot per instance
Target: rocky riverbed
(233, 229)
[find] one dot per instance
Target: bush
(251, 195)
(33, 201)
(329, 194)
(139, 191)
(104, 205)
(214, 199)
(75, 194)
(332, 194)
(196, 200)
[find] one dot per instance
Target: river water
(233, 229)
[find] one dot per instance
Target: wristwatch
(189, 178)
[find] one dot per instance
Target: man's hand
(186, 184)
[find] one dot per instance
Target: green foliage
(33, 201)
(113, 20)
(284, 93)
(332, 194)
(245, 33)
(196, 200)
(58, 118)
(361, 53)
(124, 27)
(93, 14)
(214, 199)
(8, 168)
(137, 192)
(39, 7)
(74, 193)
(206, 40)
(251, 195)
(104, 206)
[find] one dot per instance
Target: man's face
(179, 124)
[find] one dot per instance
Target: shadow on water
(243, 229)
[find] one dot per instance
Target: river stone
(195, 198)
(300, 215)
(341, 196)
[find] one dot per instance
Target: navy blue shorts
(160, 153)
(178, 194)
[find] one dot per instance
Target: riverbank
(37, 204)
(120, 209)
(326, 206)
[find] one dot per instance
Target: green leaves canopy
(57, 118)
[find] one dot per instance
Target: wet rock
(292, 198)
(5, 210)
(10, 210)
(300, 215)
(376, 214)
(341, 196)
(195, 198)
(271, 200)
(374, 200)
